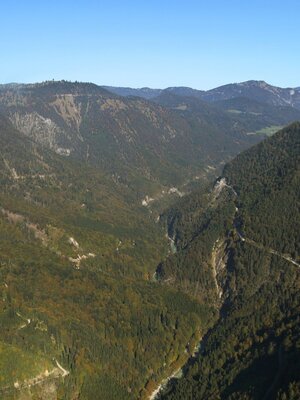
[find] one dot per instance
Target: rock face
(42, 130)
(219, 259)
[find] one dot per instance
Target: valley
(137, 232)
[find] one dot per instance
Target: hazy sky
(153, 43)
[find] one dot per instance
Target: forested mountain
(138, 142)
(246, 115)
(79, 313)
(241, 241)
(146, 93)
(263, 113)
(251, 108)
(167, 141)
(256, 90)
(102, 294)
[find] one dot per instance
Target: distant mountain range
(256, 90)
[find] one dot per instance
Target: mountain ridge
(132, 138)
(257, 90)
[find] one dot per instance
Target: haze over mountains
(146, 235)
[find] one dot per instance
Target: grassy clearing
(269, 130)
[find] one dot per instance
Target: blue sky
(202, 44)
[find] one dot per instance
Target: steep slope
(50, 188)
(79, 314)
(209, 118)
(243, 238)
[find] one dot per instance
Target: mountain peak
(261, 84)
